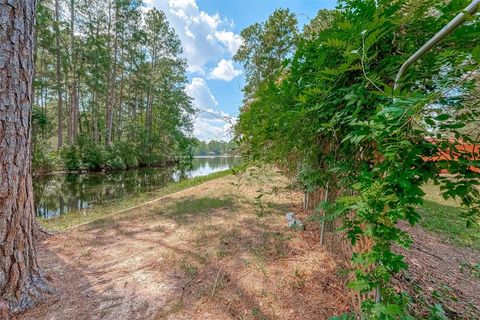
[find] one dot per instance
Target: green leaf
(359, 285)
(442, 117)
(394, 111)
(429, 121)
(476, 54)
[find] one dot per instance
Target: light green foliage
(329, 115)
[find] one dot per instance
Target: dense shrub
(88, 155)
(114, 160)
(44, 159)
(128, 153)
(72, 157)
(93, 156)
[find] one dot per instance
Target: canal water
(58, 194)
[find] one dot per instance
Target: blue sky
(209, 31)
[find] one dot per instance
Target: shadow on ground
(197, 256)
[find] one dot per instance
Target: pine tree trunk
(120, 107)
(96, 135)
(108, 138)
(74, 85)
(59, 75)
(69, 112)
(148, 118)
(21, 281)
(113, 82)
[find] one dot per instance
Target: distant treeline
(214, 148)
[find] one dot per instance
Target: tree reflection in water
(58, 194)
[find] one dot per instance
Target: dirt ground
(441, 273)
(220, 250)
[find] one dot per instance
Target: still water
(58, 194)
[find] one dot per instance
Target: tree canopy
(110, 77)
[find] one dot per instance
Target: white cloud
(231, 40)
(208, 124)
(182, 4)
(213, 125)
(225, 71)
(203, 37)
(201, 94)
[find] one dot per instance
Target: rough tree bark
(21, 281)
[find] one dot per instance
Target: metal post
(442, 34)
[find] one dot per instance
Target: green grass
(102, 211)
(444, 218)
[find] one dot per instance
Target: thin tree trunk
(148, 116)
(43, 92)
(69, 112)
(78, 122)
(110, 81)
(73, 113)
(92, 104)
(96, 135)
(107, 76)
(59, 75)
(74, 84)
(120, 106)
(112, 96)
(21, 281)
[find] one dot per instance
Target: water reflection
(58, 194)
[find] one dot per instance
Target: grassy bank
(438, 216)
(116, 205)
(444, 217)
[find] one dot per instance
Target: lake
(58, 194)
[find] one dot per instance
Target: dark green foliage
(128, 154)
(72, 157)
(115, 160)
(331, 117)
(86, 155)
(44, 159)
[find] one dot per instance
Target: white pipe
(442, 34)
